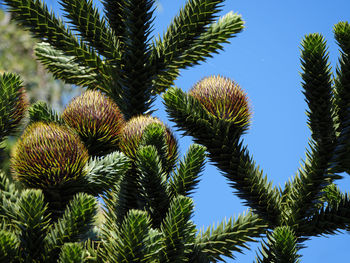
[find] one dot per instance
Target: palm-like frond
(92, 28)
(342, 97)
(178, 231)
(211, 40)
(8, 246)
(72, 226)
(190, 23)
(114, 16)
(40, 112)
(71, 253)
(152, 183)
(328, 220)
(154, 135)
(315, 175)
(203, 37)
(66, 68)
(13, 104)
(9, 197)
(105, 172)
(331, 195)
(31, 222)
(317, 84)
(186, 178)
(137, 72)
(120, 199)
(229, 236)
(342, 36)
(280, 247)
(8, 190)
(131, 243)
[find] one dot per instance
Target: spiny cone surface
(132, 134)
(97, 119)
(223, 98)
(48, 155)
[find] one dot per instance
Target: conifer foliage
(106, 143)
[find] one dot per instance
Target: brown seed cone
(132, 133)
(98, 121)
(224, 99)
(48, 155)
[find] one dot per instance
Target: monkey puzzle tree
(107, 144)
(146, 190)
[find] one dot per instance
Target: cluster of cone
(50, 154)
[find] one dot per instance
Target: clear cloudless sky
(264, 60)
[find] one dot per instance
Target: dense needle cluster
(48, 155)
(223, 98)
(97, 119)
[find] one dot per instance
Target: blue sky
(264, 60)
